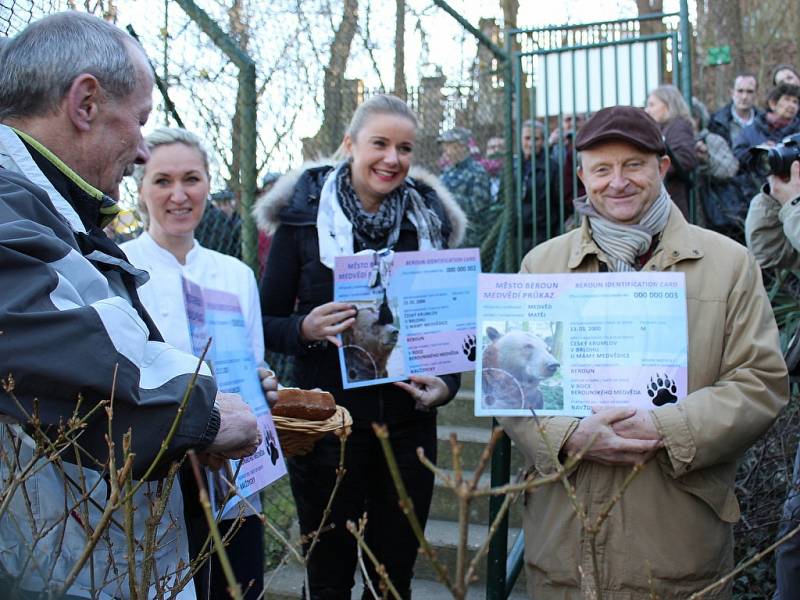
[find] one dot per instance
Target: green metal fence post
(249, 129)
(686, 57)
(498, 547)
(686, 84)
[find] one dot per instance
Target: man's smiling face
(622, 181)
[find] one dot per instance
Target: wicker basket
(298, 436)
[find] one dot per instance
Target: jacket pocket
(708, 486)
(681, 531)
(552, 537)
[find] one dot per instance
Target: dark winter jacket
(760, 132)
(720, 122)
(74, 333)
(295, 282)
(544, 169)
(679, 137)
(60, 345)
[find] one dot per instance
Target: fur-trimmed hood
(300, 189)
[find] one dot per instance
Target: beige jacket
(671, 532)
(773, 231)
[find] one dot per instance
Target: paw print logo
(662, 390)
(272, 447)
(469, 348)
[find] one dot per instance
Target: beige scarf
(624, 243)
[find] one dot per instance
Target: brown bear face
(513, 365)
(369, 343)
(523, 354)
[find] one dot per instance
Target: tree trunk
(724, 28)
(399, 49)
(333, 119)
(510, 10)
(650, 7)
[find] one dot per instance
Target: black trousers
(367, 487)
(245, 550)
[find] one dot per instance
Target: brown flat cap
(622, 123)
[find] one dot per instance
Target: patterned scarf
(623, 243)
(381, 229)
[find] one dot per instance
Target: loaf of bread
(304, 404)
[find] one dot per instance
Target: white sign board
(588, 79)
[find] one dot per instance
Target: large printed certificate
(217, 315)
(562, 344)
(416, 314)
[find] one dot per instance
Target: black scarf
(377, 230)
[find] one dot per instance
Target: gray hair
(672, 97)
(533, 125)
(164, 136)
(40, 63)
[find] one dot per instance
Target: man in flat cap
(467, 180)
(670, 533)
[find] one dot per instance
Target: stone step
(473, 440)
(444, 506)
(285, 583)
(443, 536)
(461, 411)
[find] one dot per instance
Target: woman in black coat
(369, 201)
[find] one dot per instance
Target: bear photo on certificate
(372, 346)
(520, 368)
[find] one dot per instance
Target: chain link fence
(16, 14)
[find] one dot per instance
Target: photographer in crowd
(772, 230)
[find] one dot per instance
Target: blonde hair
(672, 97)
(380, 104)
(166, 136)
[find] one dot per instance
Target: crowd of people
(83, 320)
(712, 157)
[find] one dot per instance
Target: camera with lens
(775, 160)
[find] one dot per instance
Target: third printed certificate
(563, 344)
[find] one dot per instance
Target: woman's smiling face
(381, 153)
(174, 190)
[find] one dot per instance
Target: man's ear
(580, 173)
(82, 101)
(663, 165)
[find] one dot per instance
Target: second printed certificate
(564, 344)
(416, 314)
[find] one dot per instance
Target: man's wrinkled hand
(639, 426)
(238, 434)
(596, 438)
(701, 149)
